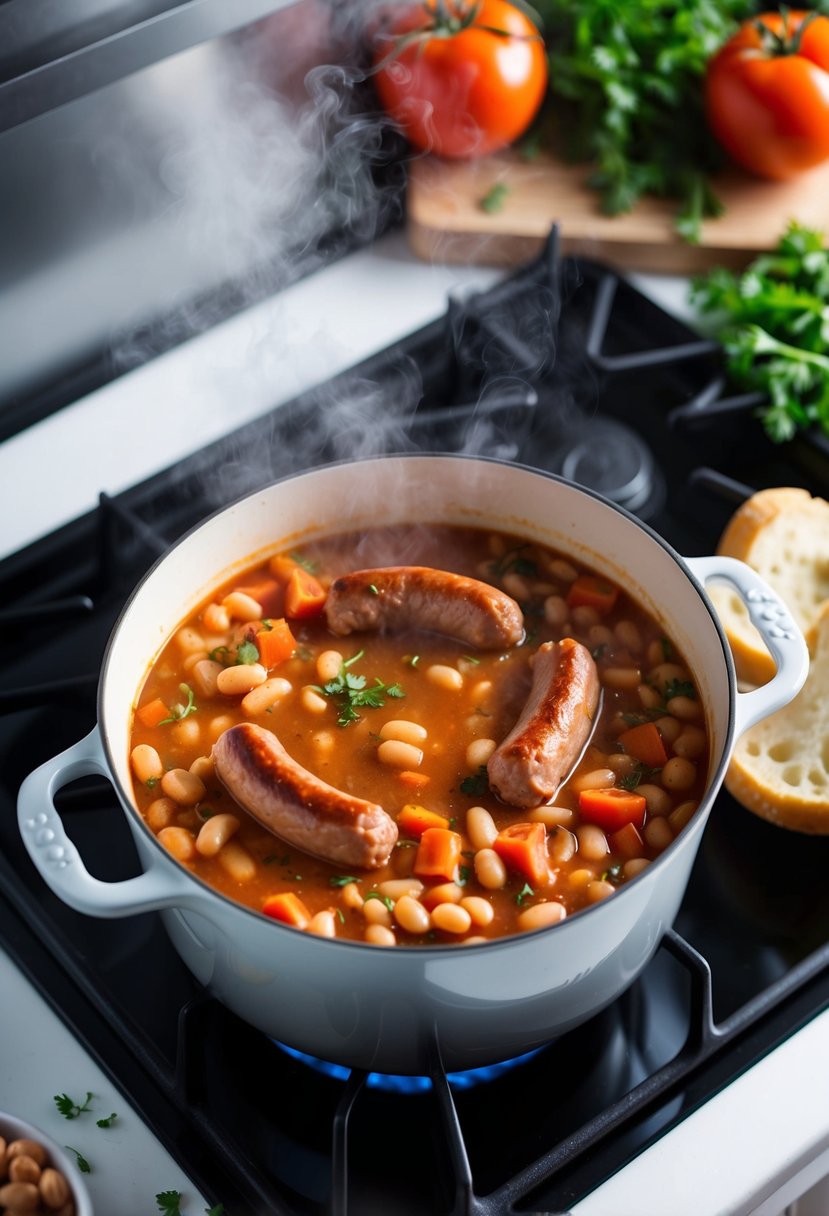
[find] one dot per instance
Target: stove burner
(614, 460)
(389, 1083)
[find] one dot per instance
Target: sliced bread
(780, 767)
(783, 534)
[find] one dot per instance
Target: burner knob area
(611, 458)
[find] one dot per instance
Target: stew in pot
(419, 735)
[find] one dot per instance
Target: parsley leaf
(351, 693)
(83, 1164)
(383, 899)
(307, 565)
(773, 320)
(247, 652)
(169, 1202)
(627, 97)
(217, 1210)
(523, 893)
(477, 785)
(494, 199)
(640, 772)
(679, 688)
(342, 880)
(179, 711)
(106, 1122)
(70, 1109)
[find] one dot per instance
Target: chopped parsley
(476, 785)
(151, 783)
(383, 899)
(181, 711)
(470, 658)
(494, 199)
(598, 651)
(169, 1202)
(463, 875)
(219, 654)
(83, 1164)
(351, 694)
(70, 1109)
(411, 659)
(514, 562)
(641, 772)
(523, 893)
(247, 652)
(680, 688)
(217, 1210)
(373, 589)
(106, 1122)
(612, 874)
(667, 649)
(342, 880)
(307, 565)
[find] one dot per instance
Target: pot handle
(59, 862)
(772, 619)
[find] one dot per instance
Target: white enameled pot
(357, 1004)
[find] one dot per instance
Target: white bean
(478, 752)
(480, 827)
(183, 787)
(240, 679)
(313, 701)
(146, 763)
(215, 833)
(322, 924)
(262, 698)
(205, 675)
(404, 731)
(242, 607)
(679, 774)
(490, 870)
(329, 664)
(481, 911)
(411, 915)
(395, 754)
(539, 916)
(445, 677)
(237, 862)
(595, 779)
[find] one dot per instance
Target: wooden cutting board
(447, 223)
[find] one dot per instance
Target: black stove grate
(558, 361)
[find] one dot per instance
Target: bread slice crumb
(780, 767)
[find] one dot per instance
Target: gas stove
(566, 366)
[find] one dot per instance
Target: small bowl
(12, 1128)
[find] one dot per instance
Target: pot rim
(431, 950)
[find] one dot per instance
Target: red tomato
(457, 88)
(768, 106)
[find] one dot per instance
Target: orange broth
(644, 680)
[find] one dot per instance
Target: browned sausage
(296, 806)
(418, 597)
(530, 764)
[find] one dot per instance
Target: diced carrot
(438, 854)
(645, 743)
(627, 842)
(268, 592)
(612, 808)
(414, 780)
(287, 907)
(282, 566)
(304, 595)
(523, 847)
(590, 591)
(275, 643)
(415, 820)
(153, 712)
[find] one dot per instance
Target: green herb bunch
(773, 320)
(627, 83)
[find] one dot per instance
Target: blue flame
(410, 1085)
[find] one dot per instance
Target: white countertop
(730, 1157)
